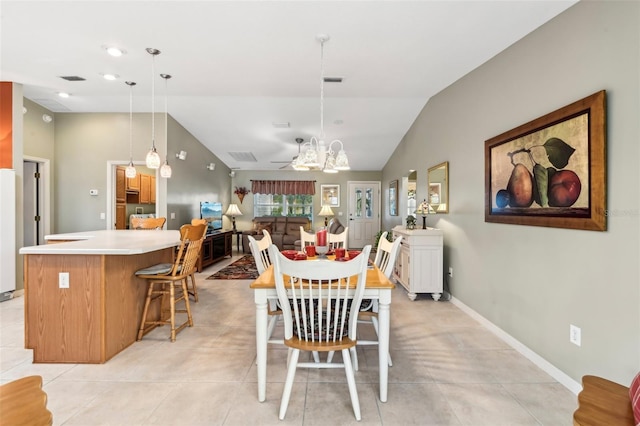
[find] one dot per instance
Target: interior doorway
(137, 196)
(36, 200)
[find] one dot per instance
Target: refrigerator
(7, 233)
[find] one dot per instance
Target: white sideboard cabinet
(419, 264)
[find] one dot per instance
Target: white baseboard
(545, 365)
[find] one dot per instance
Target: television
(212, 212)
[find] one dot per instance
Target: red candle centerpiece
(321, 237)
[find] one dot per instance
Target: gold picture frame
(551, 171)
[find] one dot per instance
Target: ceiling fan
(299, 141)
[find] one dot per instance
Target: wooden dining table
(377, 286)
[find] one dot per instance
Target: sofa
(284, 231)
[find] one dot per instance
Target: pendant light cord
(166, 114)
(153, 97)
(321, 89)
(131, 122)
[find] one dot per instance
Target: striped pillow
(634, 395)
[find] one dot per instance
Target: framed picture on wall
(330, 195)
(393, 198)
(550, 171)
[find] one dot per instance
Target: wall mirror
(412, 182)
(438, 187)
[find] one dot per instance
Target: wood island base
(93, 319)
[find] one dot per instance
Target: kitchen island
(83, 302)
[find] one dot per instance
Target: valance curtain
(287, 187)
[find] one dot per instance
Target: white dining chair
(260, 251)
(338, 240)
(385, 259)
(306, 238)
(320, 313)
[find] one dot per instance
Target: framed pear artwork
(551, 171)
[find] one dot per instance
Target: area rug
(242, 269)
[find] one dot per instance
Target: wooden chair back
(318, 301)
(266, 236)
(192, 232)
(260, 251)
(307, 238)
(386, 254)
(189, 250)
(148, 222)
(338, 240)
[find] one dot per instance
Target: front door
(364, 213)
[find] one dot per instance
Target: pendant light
(165, 170)
(130, 171)
(153, 159)
(317, 156)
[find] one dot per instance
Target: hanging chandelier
(153, 159)
(130, 171)
(165, 170)
(318, 156)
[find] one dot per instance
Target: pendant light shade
(165, 170)
(153, 159)
(130, 171)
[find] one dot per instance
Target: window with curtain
(283, 198)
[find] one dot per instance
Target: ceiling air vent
(72, 78)
(243, 156)
(333, 79)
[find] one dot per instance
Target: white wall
(533, 282)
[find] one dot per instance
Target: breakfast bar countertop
(107, 242)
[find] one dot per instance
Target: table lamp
(326, 212)
(233, 211)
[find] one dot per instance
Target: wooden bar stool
(184, 233)
(165, 278)
(23, 402)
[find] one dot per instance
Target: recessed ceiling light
(114, 51)
(281, 125)
(63, 94)
(110, 77)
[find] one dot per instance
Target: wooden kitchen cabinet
(152, 190)
(133, 184)
(121, 185)
(145, 189)
(121, 216)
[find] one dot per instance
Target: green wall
(533, 282)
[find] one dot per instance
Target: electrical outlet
(450, 272)
(63, 280)
(575, 335)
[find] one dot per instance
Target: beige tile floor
(447, 370)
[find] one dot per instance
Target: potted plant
(241, 191)
(411, 222)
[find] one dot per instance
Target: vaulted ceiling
(243, 68)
